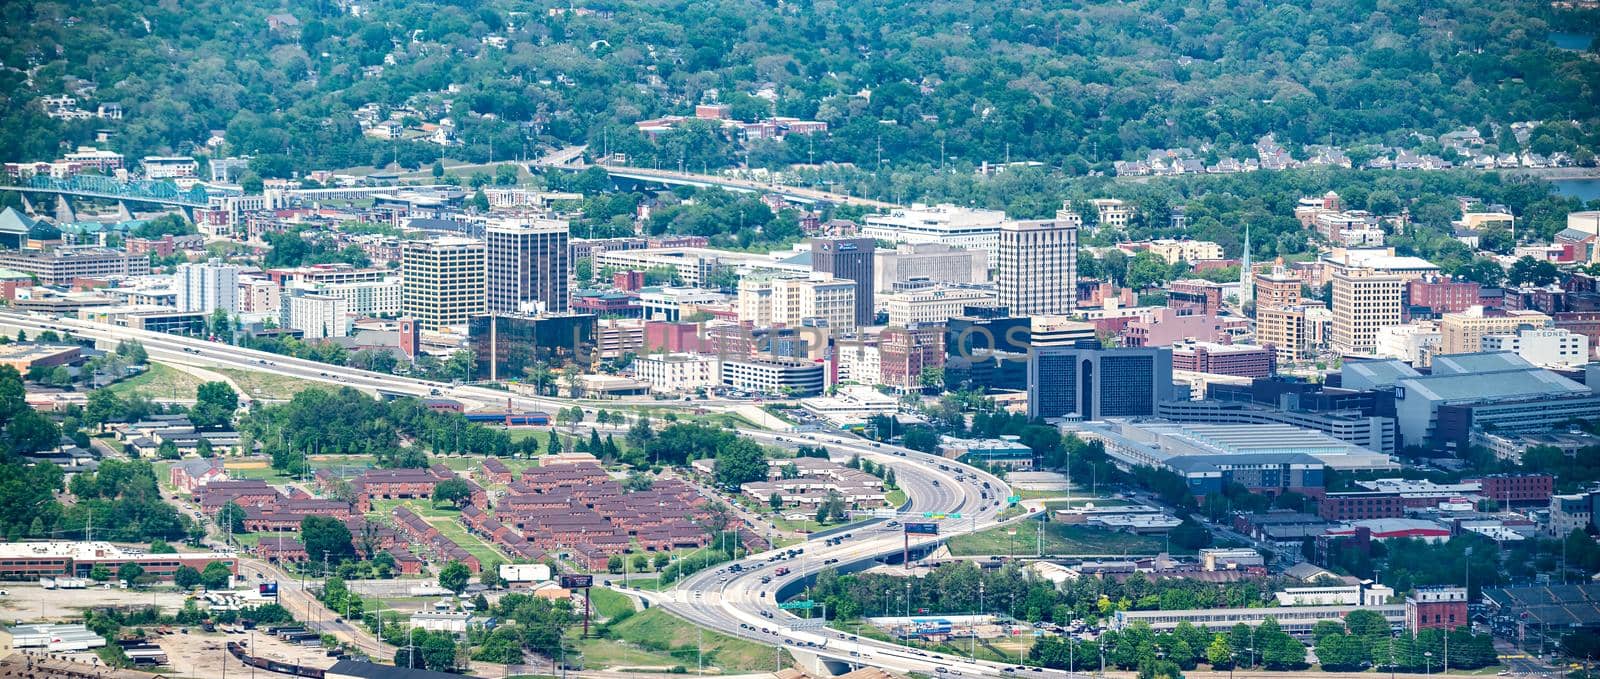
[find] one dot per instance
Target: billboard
(577, 581)
(524, 572)
(269, 588)
(922, 529)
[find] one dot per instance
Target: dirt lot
(198, 654)
(32, 603)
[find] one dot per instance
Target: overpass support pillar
(123, 213)
(27, 205)
(64, 212)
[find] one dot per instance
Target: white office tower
(207, 287)
(1036, 267)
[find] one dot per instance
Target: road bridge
(122, 192)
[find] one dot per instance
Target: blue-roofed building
(1468, 394)
(1007, 451)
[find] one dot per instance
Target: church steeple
(1246, 280)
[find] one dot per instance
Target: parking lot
(32, 603)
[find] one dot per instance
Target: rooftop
(85, 551)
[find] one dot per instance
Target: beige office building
(443, 281)
(934, 304)
(1037, 267)
(1462, 332)
(768, 301)
(1294, 332)
(1364, 300)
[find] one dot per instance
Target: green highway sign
(802, 605)
(1014, 499)
(956, 515)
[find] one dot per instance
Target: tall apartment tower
(442, 281)
(528, 265)
(1364, 301)
(1037, 267)
(207, 286)
(849, 258)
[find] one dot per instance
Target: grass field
(610, 653)
(1059, 540)
(261, 469)
(159, 382)
(1083, 502)
(658, 632)
(268, 386)
(609, 603)
(444, 519)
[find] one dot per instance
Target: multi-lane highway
(737, 603)
(744, 602)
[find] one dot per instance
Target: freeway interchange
(734, 602)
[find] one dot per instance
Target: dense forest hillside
(1069, 83)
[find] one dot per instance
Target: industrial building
(1297, 620)
(32, 560)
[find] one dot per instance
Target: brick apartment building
(1516, 488)
(1359, 505)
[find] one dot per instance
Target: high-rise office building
(1037, 267)
(852, 259)
(207, 286)
(820, 299)
(1364, 300)
(1092, 384)
(442, 281)
(528, 265)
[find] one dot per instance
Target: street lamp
(1427, 661)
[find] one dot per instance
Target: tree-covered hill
(1070, 83)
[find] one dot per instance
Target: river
(1586, 189)
(1571, 41)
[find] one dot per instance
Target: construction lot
(32, 603)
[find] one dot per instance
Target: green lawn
(1059, 540)
(1083, 502)
(648, 583)
(444, 518)
(259, 469)
(895, 497)
(266, 385)
(659, 632)
(609, 603)
(610, 653)
(159, 382)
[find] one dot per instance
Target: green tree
(99, 573)
(452, 490)
(186, 577)
(742, 462)
(454, 576)
(29, 431)
(216, 576)
(129, 572)
(1218, 654)
(214, 405)
(220, 325)
(325, 535)
(231, 517)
